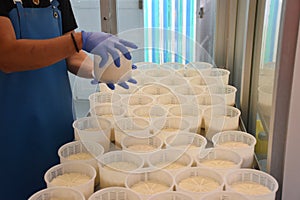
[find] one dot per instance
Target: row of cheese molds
(150, 142)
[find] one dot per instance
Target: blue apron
(35, 110)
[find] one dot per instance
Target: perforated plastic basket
(141, 146)
(193, 172)
(65, 193)
(155, 89)
(227, 92)
(157, 177)
(114, 176)
(171, 126)
(115, 193)
(81, 151)
(133, 126)
(97, 129)
(172, 160)
(87, 188)
(221, 76)
(190, 113)
(220, 118)
(222, 156)
(191, 143)
(224, 196)
(171, 196)
(158, 73)
(255, 176)
(100, 98)
(241, 142)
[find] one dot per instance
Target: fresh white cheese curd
(141, 148)
(149, 187)
(70, 179)
(233, 144)
(124, 166)
(218, 163)
(170, 166)
(199, 184)
(80, 156)
(250, 188)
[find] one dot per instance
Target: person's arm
(27, 54)
(80, 64)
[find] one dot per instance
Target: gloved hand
(102, 44)
(122, 84)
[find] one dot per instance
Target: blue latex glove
(122, 84)
(102, 44)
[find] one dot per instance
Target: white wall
(130, 25)
(291, 179)
(87, 14)
(129, 15)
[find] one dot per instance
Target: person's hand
(122, 84)
(103, 44)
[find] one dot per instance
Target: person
(38, 46)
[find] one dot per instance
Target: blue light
(178, 17)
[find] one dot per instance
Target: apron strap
(15, 1)
(54, 3)
(56, 12)
(20, 12)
